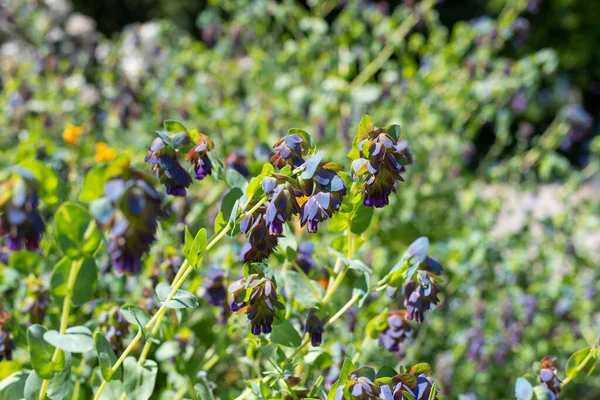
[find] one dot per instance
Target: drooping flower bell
(135, 207)
(281, 204)
(420, 296)
(260, 244)
(381, 160)
(164, 150)
(304, 257)
(237, 160)
(115, 327)
(548, 378)
(395, 332)
(7, 342)
(198, 156)
(214, 287)
(167, 169)
(314, 327)
(326, 190)
(257, 298)
(20, 220)
(289, 151)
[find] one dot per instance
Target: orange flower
(104, 152)
(71, 133)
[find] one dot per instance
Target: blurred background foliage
(499, 101)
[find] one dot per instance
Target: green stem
(64, 318)
(579, 367)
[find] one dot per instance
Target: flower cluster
(421, 295)
(132, 219)
(257, 298)
(381, 159)
(325, 192)
(395, 332)
(416, 382)
(20, 219)
(163, 152)
(314, 327)
(548, 378)
(314, 196)
(7, 342)
(412, 384)
(261, 243)
(114, 327)
(216, 292)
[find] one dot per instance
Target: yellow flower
(71, 133)
(104, 152)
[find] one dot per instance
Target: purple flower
(133, 222)
(198, 156)
(420, 297)
(115, 328)
(381, 163)
(548, 378)
(325, 192)
(20, 220)
(314, 327)
(281, 204)
(289, 151)
(167, 169)
(261, 243)
(395, 332)
(237, 160)
(214, 287)
(304, 257)
(257, 298)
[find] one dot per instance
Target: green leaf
(40, 353)
(93, 184)
(197, 249)
(576, 360)
(417, 251)
(366, 126)
(361, 219)
(135, 315)
(25, 261)
(299, 289)
(523, 389)
(386, 372)
(236, 180)
(347, 368)
(84, 283)
(189, 240)
(229, 207)
(106, 358)
(393, 130)
(47, 180)
(56, 388)
(182, 299)
(361, 289)
(13, 386)
(77, 339)
(286, 335)
(139, 380)
(75, 231)
(308, 138)
(173, 126)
